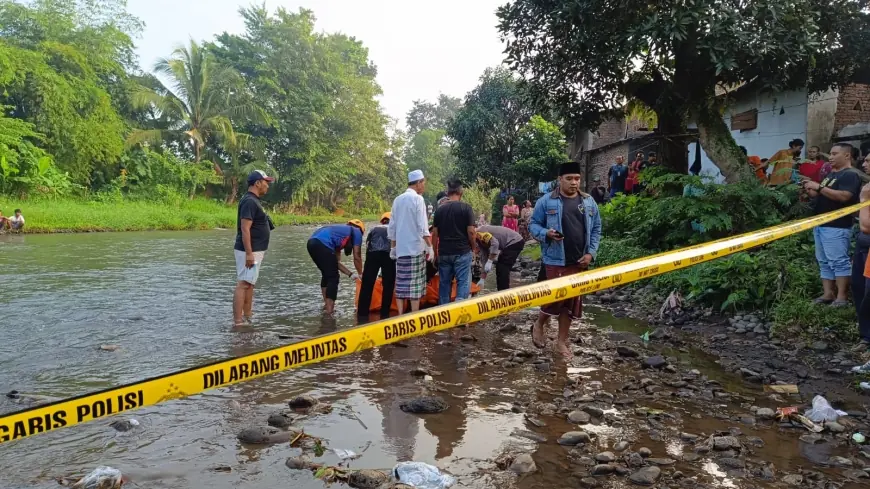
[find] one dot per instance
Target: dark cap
(569, 168)
(259, 175)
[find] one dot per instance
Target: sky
(421, 49)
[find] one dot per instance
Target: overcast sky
(421, 49)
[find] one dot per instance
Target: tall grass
(67, 215)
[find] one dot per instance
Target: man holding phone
(568, 225)
(253, 229)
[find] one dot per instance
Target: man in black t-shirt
(453, 238)
(253, 228)
(837, 190)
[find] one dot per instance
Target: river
(164, 298)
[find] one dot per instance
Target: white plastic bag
(422, 476)
(101, 478)
(822, 411)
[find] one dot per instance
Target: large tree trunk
(234, 190)
(720, 146)
(673, 142)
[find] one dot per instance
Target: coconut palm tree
(196, 97)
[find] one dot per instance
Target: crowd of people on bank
(415, 243)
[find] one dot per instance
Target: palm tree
(234, 156)
(197, 103)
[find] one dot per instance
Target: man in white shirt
(411, 242)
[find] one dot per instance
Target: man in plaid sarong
(411, 242)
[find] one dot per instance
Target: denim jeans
(450, 267)
(832, 252)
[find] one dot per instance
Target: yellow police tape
(81, 409)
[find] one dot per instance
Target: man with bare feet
(253, 228)
(568, 225)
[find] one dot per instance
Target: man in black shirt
(378, 259)
(453, 238)
(253, 227)
(837, 190)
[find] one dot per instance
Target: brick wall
(608, 132)
(601, 161)
(850, 98)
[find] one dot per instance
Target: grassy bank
(59, 216)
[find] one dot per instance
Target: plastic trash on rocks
(101, 478)
(822, 411)
(422, 476)
(344, 454)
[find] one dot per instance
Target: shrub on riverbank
(63, 215)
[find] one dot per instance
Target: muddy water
(164, 299)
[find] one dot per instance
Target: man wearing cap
(253, 227)
(567, 224)
(378, 260)
(411, 244)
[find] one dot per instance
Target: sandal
(839, 303)
(822, 300)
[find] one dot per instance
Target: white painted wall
(820, 119)
(781, 118)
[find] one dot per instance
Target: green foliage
(66, 215)
(61, 62)
(427, 151)
(540, 150)
(432, 116)
(612, 251)
(324, 130)
(152, 175)
(588, 56)
(795, 315)
(25, 168)
(662, 218)
(486, 129)
(480, 199)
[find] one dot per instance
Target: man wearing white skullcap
(411, 243)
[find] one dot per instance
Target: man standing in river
(253, 228)
(567, 224)
(411, 244)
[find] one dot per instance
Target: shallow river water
(165, 299)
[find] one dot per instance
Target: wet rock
(523, 464)
(424, 405)
(662, 462)
(220, 468)
(655, 362)
(579, 417)
(812, 438)
(625, 401)
(588, 482)
(646, 476)
(303, 402)
(839, 462)
(603, 469)
(298, 463)
(468, 338)
(731, 463)
(535, 421)
(605, 457)
(819, 346)
(530, 435)
(124, 424)
(419, 372)
(543, 368)
(645, 452)
(281, 419)
(765, 414)
(594, 411)
(265, 435)
(834, 427)
(586, 461)
(627, 352)
(856, 474)
(755, 441)
(367, 479)
(793, 479)
(634, 460)
(691, 457)
(110, 347)
(621, 471)
(621, 446)
(574, 437)
(688, 437)
(722, 443)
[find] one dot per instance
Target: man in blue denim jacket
(568, 225)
